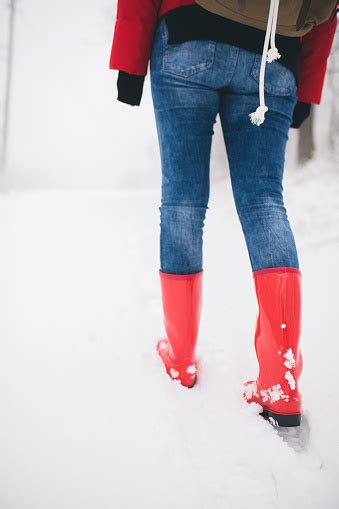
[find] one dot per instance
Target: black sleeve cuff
(130, 87)
(300, 114)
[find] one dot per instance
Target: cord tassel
(272, 55)
(258, 116)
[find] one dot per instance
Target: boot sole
(283, 420)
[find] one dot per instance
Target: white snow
(291, 381)
(255, 408)
(273, 421)
(174, 373)
(290, 361)
(273, 394)
(250, 390)
(89, 418)
(87, 408)
(191, 370)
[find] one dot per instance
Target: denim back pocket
(279, 80)
(187, 58)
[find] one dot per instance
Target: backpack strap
(305, 7)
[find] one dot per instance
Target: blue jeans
(191, 83)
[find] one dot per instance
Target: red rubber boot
(277, 346)
(181, 299)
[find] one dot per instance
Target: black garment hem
(194, 22)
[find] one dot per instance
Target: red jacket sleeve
(315, 49)
(133, 35)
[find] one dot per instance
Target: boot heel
(286, 421)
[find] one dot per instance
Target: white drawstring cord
(258, 116)
(273, 53)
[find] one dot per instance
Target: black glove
(130, 87)
(300, 113)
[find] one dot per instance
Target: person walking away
(259, 65)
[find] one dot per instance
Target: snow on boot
(181, 300)
(277, 346)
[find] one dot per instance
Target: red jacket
(136, 22)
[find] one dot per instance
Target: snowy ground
(88, 417)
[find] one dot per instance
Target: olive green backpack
(295, 17)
